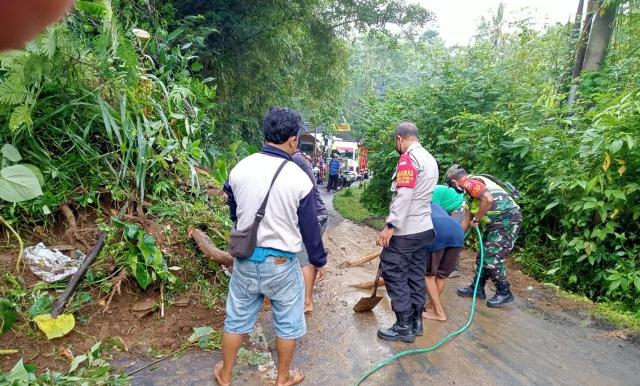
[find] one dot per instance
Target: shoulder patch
(406, 172)
(474, 187)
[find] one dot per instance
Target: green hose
(446, 338)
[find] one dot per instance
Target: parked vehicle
(345, 179)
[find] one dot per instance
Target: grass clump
(347, 203)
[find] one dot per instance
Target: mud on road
(539, 339)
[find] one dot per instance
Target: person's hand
(321, 273)
(384, 237)
(474, 222)
(21, 21)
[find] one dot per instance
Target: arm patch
(474, 187)
(406, 172)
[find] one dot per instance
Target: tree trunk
(575, 33)
(592, 7)
(599, 38)
(581, 50)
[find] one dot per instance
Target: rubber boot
(503, 296)
(416, 321)
(468, 290)
(402, 329)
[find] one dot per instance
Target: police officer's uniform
(404, 261)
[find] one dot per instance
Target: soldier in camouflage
(491, 205)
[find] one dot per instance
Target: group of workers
(421, 237)
(274, 193)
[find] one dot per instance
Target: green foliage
(497, 107)
(89, 369)
(95, 108)
(12, 295)
(207, 338)
(142, 257)
(347, 203)
(8, 315)
(42, 304)
(262, 54)
(18, 182)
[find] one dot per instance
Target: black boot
(468, 290)
(416, 321)
(503, 296)
(402, 329)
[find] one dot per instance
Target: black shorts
(443, 262)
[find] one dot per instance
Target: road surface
(522, 344)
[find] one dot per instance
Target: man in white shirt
(408, 234)
(272, 270)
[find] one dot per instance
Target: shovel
(369, 303)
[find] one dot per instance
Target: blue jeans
(279, 279)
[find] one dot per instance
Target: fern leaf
(13, 90)
(49, 42)
(21, 116)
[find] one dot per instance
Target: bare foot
(428, 306)
(308, 307)
(216, 372)
(295, 376)
(430, 314)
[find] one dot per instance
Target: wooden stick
(209, 249)
(117, 282)
(61, 303)
(161, 300)
(368, 284)
(362, 260)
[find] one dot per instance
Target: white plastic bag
(51, 265)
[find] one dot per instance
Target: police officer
(408, 234)
(495, 207)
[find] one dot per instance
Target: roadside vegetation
(348, 202)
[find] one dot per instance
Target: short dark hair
(406, 129)
(280, 124)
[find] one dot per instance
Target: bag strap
(260, 213)
(507, 186)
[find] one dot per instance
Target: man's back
(449, 232)
(416, 212)
(334, 167)
(250, 180)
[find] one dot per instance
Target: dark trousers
(403, 268)
(333, 182)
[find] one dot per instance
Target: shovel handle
(375, 283)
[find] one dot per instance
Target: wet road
(517, 345)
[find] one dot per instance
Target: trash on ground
(52, 265)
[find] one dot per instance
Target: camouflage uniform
(501, 232)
